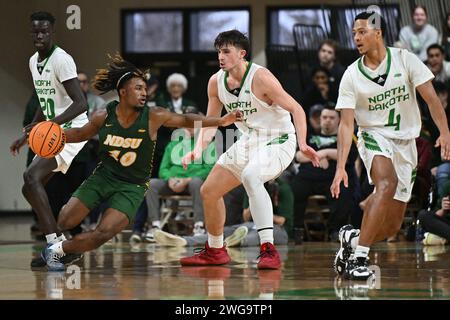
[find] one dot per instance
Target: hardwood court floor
(147, 271)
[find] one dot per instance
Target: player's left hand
(231, 118)
(311, 154)
(444, 142)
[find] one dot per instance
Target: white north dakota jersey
(270, 120)
(390, 109)
(48, 77)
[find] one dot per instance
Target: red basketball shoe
(269, 257)
(207, 257)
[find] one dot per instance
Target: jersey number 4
(393, 121)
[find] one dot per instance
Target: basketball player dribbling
(62, 101)
(127, 133)
(379, 91)
(265, 149)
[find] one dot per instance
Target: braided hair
(117, 74)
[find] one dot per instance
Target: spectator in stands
(437, 64)
(153, 94)
(174, 179)
(94, 101)
(312, 181)
(418, 36)
(314, 118)
(445, 40)
(321, 91)
(423, 170)
(437, 221)
(439, 169)
(327, 59)
(245, 234)
(175, 101)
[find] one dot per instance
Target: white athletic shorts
(65, 157)
(403, 154)
(271, 154)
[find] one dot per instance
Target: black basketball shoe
(358, 269)
(346, 234)
(69, 258)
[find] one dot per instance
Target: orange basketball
(47, 139)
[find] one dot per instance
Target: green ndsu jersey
(127, 153)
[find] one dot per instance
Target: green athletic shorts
(102, 186)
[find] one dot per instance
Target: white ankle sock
(266, 235)
(52, 238)
(215, 241)
(361, 252)
(57, 247)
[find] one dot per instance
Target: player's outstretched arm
(205, 135)
(266, 85)
(190, 120)
(344, 140)
(79, 104)
(428, 93)
(87, 131)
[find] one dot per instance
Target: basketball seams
(43, 141)
(41, 144)
(56, 148)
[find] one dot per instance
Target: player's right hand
(189, 157)
(17, 144)
(341, 175)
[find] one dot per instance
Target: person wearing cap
(153, 93)
(314, 118)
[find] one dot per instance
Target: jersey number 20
(48, 107)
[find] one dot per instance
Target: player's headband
(121, 78)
